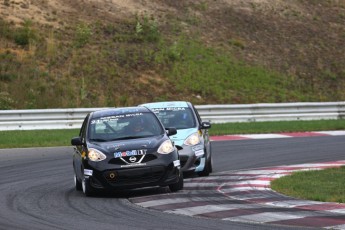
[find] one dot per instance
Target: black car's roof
(119, 111)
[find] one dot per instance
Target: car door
(80, 150)
(204, 132)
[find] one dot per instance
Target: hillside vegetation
(99, 53)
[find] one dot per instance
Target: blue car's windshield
(124, 126)
(180, 118)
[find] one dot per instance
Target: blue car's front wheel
(208, 167)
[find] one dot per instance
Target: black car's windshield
(180, 118)
(124, 126)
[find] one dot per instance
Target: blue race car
(192, 138)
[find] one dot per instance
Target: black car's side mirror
(171, 131)
(76, 141)
(178, 147)
(205, 125)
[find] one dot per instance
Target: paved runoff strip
(280, 135)
(246, 196)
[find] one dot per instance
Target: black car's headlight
(193, 139)
(95, 155)
(166, 147)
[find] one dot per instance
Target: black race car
(125, 148)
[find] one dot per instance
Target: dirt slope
(303, 38)
(295, 35)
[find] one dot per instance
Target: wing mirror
(76, 141)
(171, 131)
(205, 125)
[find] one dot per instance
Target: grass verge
(276, 127)
(36, 138)
(314, 185)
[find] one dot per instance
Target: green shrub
(25, 34)
(6, 102)
(83, 35)
(5, 30)
(8, 67)
(146, 29)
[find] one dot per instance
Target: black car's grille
(118, 161)
(149, 157)
(134, 176)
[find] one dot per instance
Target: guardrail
(73, 118)
(272, 112)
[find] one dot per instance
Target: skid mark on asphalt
(246, 196)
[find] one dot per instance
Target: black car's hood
(131, 144)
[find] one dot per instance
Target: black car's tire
(178, 185)
(77, 184)
(86, 187)
(208, 167)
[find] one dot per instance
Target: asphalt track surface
(37, 191)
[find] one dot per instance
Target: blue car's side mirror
(205, 125)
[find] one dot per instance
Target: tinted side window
(83, 127)
(197, 114)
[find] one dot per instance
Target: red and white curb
(277, 135)
(246, 196)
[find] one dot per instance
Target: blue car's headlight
(95, 155)
(193, 139)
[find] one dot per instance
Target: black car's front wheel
(77, 184)
(178, 185)
(86, 187)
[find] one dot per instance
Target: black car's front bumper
(135, 176)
